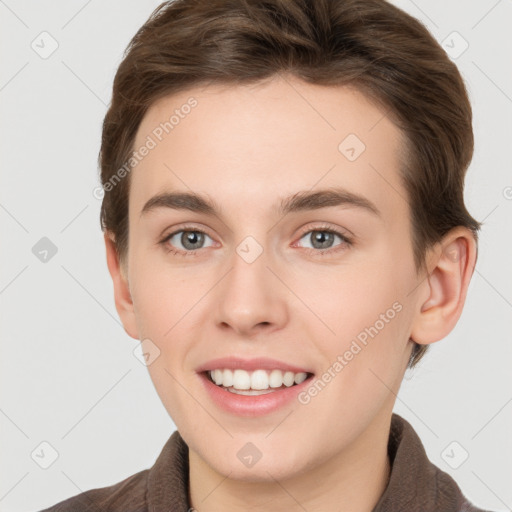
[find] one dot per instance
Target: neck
(351, 480)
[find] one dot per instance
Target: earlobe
(445, 287)
(122, 295)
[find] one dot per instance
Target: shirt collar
(415, 484)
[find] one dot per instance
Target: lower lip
(255, 405)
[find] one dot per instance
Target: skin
(247, 147)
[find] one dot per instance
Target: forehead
(252, 143)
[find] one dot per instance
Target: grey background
(68, 373)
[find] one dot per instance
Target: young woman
(286, 234)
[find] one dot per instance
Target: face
(320, 286)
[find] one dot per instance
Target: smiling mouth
(259, 382)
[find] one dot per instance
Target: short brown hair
(369, 44)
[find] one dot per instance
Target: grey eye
(321, 239)
(190, 240)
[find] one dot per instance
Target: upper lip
(249, 365)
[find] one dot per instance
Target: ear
(453, 263)
(122, 296)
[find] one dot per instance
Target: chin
(261, 472)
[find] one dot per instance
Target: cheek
(362, 361)
(161, 296)
(365, 321)
(162, 303)
(350, 298)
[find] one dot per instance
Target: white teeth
(300, 377)
(276, 379)
(217, 376)
(288, 379)
(250, 392)
(241, 379)
(227, 378)
(257, 380)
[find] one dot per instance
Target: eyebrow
(301, 201)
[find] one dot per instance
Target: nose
(251, 299)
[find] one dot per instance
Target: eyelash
(347, 242)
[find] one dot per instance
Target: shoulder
(128, 495)
(415, 482)
(155, 489)
(452, 493)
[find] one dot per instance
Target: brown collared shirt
(415, 484)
